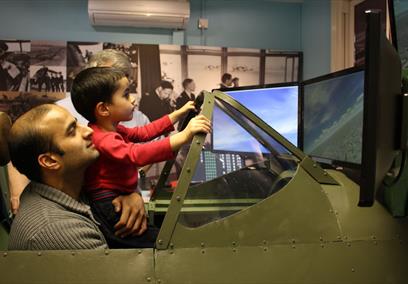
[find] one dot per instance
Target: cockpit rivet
(178, 198)
(188, 170)
(198, 142)
(160, 242)
(202, 245)
(148, 279)
(5, 254)
(234, 243)
(325, 173)
(139, 251)
(352, 270)
(39, 253)
(106, 252)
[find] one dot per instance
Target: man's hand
(178, 114)
(133, 221)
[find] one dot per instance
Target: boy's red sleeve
(149, 131)
(114, 147)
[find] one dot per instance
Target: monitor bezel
(337, 74)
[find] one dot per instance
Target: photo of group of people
(162, 77)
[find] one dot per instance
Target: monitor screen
(333, 116)
(277, 105)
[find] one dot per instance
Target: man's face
(165, 93)
(228, 82)
(191, 87)
(73, 139)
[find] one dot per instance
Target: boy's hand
(133, 217)
(196, 125)
(178, 114)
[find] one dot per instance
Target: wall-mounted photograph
(14, 65)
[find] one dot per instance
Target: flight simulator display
(333, 116)
(276, 105)
(212, 165)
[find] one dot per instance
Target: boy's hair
(94, 85)
(27, 141)
(186, 82)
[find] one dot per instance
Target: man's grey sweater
(49, 219)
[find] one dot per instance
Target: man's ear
(49, 161)
(102, 109)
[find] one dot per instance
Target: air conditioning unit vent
(172, 14)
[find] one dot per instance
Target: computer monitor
(332, 117)
(275, 104)
(382, 109)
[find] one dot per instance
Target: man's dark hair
(186, 82)
(27, 141)
(94, 85)
(166, 85)
(225, 77)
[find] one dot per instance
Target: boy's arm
(112, 146)
(180, 113)
(197, 124)
(149, 131)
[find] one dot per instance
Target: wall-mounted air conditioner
(134, 13)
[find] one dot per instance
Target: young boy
(101, 95)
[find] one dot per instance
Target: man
(226, 81)
(187, 94)
(157, 103)
(53, 151)
(42, 77)
(133, 219)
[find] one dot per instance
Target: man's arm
(68, 234)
